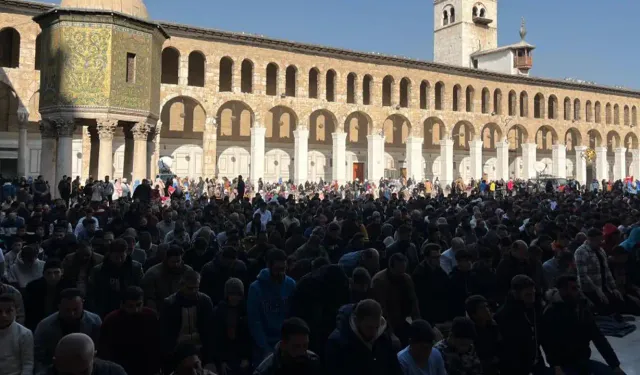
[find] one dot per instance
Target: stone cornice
(191, 32)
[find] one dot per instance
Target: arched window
(616, 115)
(486, 98)
(313, 83)
(439, 95)
(524, 104)
(246, 76)
(331, 85)
(38, 52)
(196, 69)
(597, 112)
(445, 18)
(452, 15)
(607, 114)
(567, 109)
(538, 106)
(474, 12)
(387, 89)
(634, 116)
(469, 98)
(170, 66)
(497, 102)
(513, 103)
(366, 89)
(225, 83)
(576, 110)
(424, 95)
(272, 79)
(588, 111)
(405, 92)
(553, 107)
(290, 80)
(351, 88)
(9, 48)
(457, 97)
(482, 13)
(627, 121)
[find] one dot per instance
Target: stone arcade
(96, 88)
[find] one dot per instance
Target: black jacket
(214, 275)
(459, 291)
(488, 344)
(107, 282)
(143, 193)
(231, 350)
(171, 322)
(567, 331)
(484, 282)
(35, 300)
(316, 299)
(520, 330)
(273, 365)
(346, 354)
(507, 269)
(432, 290)
(100, 367)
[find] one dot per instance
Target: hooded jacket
(567, 331)
(267, 308)
(22, 274)
(347, 353)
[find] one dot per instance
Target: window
(452, 15)
(445, 18)
(131, 68)
(475, 11)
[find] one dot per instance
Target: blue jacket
(634, 238)
(8, 191)
(267, 308)
(349, 262)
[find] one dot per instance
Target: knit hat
(233, 286)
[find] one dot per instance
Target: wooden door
(358, 171)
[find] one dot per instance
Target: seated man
(459, 353)
(75, 354)
(488, 336)
(420, 357)
(568, 327)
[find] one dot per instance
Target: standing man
(107, 190)
(241, 188)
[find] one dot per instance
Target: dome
(134, 8)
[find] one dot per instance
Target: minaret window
(452, 16)
(445, 19)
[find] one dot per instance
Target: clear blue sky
(584, 39)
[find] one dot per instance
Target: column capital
(620, 150)
(23, 117)
(338, 135)
(258, 131)
(141, 131)
(106, 128)
(47, 129)
(635, 153)
(601, 149)
(446, 143)
(65, 126)
(580, 148)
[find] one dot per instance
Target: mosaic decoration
(135, 95)
(590, 155)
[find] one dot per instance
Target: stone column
(415, 169)
(620, 165)
(301, 156)
(257, 153)
(152, 161)
(446, 163)
(183, 72)
(106, 130)
(580, 165)
(210, 147)
(23, 150)
(87, 153)
(357, 90)
(64, 162)
(559, 156)
(140, 133)
(338, 171)
(528, 161)
(375, 157)
(635, 172)
(322, 87)
(236, 80)
(48, 154)
(602, 165)
(475, 156)
(502, 162)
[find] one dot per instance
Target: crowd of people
(276, 279)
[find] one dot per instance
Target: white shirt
(265, 216)
(16, 350)
(80, 226)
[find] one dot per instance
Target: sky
(580, 39)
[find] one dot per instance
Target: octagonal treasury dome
(134, 8)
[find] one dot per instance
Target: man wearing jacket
(109, 279)
(268, 304)
(361, 344)
(568, 328)
(291, 354)
(43, 295)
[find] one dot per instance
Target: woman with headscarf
(117, 190)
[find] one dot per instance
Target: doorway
(9, 167)
(358, 171)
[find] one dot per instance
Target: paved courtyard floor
(627, 349)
